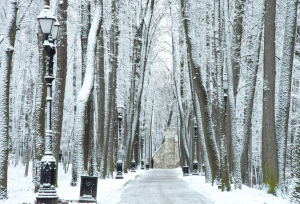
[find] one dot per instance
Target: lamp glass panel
(46, 25)
(120, 109)
(54, 32)
(225, 84)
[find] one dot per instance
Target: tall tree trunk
(231, 101)
(269, 146)
(295, 194)
(178, 92)
(100, 95)
(236, 42)
(245, 168)
(40, 116)
(6, 67)
(60, 80)
(141, 49)
(213, 153)
(83, 96)
(85, 29)
(284, 93)
(220, 107)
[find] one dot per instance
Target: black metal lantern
(119, 162)
(195, 162)
(142, 160)
(225, 87)
(46, 20)
(47, 193)
(54, 31)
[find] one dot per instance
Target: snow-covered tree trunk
(141, 61)
(249, 101)
(83, 96)
(85, 13)
(107, 165)
(295, 129)
(100, 92)
(40, 116)
(220, 106)
(231, 101)
(60, 80)
(236, 41)
(5, 72)
(284, 94)
(213, 152)
(178, 92)
(269, 146)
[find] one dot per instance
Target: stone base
(45, 200)
(47, 196)
(119, 176)
(195, 173)
(86, 199)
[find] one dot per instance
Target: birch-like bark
(83, 96)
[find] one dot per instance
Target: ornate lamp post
(195, 162)
(225, 87)
(119, 162)
(47, 193)
(133, 163)
(142, 160)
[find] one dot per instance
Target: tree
(213, 153)
(269, 146)
(83, 96)
(41, 91)
(284, 97)
(6, 67)
(60, 79)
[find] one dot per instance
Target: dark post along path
(159, 186)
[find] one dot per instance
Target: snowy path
(158, 186)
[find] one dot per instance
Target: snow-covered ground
(245, 196)
(20, 188)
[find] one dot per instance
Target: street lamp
(225, 87)
(195, 162)
(119, 162)
(47, 193)
(142, 160)
(133, 162)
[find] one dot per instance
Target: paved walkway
(159, 186)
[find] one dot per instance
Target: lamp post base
(186, 170)
(142, 165)
(133, 166)
(47, 196)
(119, 170)
(195, 169)
(119, 175)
